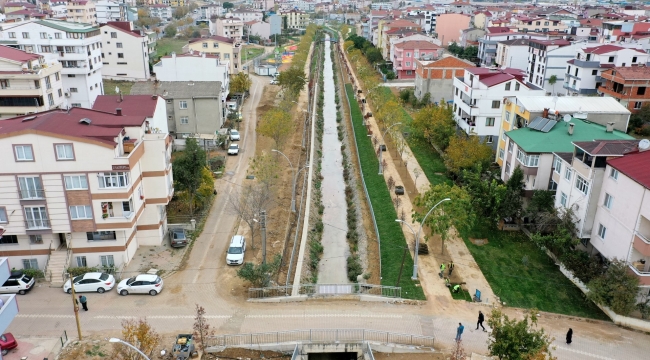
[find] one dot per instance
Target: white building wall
(194, 68)
(134, 65)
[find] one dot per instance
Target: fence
(56, 349)
(326, 290)
(321, 336)
(367, 352)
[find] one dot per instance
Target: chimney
(118, 111)
(610, 127)
(571, 128)
(545, 113)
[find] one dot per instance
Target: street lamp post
(417, 239)
(295, 177)
(381, 168)
(116, 340)
(405, 249)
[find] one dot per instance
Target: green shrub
(354, 268)
(76, 271)
(34, 273)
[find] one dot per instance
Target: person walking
(84, 302)
(442, 270)
(451, 268)
(569, 336)
(459, 331)
(481, 318)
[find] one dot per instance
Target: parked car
(7, 342)
(91, 282)
(236, 250)
(17, 283)
(274, 82)
(177, 237)
(234, 135)
(141, 284)
(399, 190)
(233, 149)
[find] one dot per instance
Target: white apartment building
(512, 54)
(28, 83)
(545, 59)
(583, 71)
(210, 10)
(430, 17)
(76, 182)
(478, 100)
(161, 11)
(487, 46)
(110, 10)
(296, 19)
(247, 15)
(125, 54)
(76, 46)
(227, 27)
(81, 11)
(194, 66)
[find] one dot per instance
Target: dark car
(7, 342)
(177, 237)
(399, 190)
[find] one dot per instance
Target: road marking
(162, 317)
(376, 316)
(40, 316)
(584, 353)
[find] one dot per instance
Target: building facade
(125, 53)
(627, 85)
(437, 77)
(225, 48)
(81, 11)
(408, 52)
(194, 66)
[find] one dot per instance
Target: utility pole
(263, 228)
(75, 305)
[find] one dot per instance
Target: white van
(236, 250)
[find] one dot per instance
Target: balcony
(641, 244)
(117, 210)
(613, 93)
(569, 87)
(38, 224)
(586, 64)
(642, 275)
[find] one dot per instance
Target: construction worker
(442, 270)
(451, 268)
(447, 284)
(456, 288)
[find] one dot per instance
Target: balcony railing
(32, 194)
(641, 244)
(37, 224)
(643, 276)
(612, 93)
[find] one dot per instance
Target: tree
(512, 204)
(455, 49)
(435, 123)
(466, 152)
(292, 81)
(517, 340)
(139, 334)
(459, 212)
(260, 275)
(247, 203)
(240, 83)
(180, 12)
(265, 168)
(551, 81)
(188, 168)
(276, 124)
(616, 288)
(458, 351)
(487, 193)
(639, 119)
(470, 53)
(228, 5)
(374, 55)
(170, 31)
(201, 327)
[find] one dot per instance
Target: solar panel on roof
(535, 122)
(541, 124)
(549, 125)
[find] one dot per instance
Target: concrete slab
(35, 348)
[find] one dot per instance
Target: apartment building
(153, 108)
(259, 28)
(227, 27)
(247, 15)
(437, 77)
(12, 6)
(76, 46)
(9, 309)
(192, 107)
(78, 181)
(225, 48)
(295, 19)
(110, 10)
(533, 148)
(161, 11)
(125, 53)
(28, 83)
(487, 46)
(194, 66)
(81, 11)
(512, 54)
(545, 60)
(408, 52)
(389, 30)
(583, 72)
(541, 25)
(627, 85)
(449, 27)
(478, 100)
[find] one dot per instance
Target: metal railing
(367, 351)
(32, 194)
(37, 224)
(326, 290)
(321, 336)
(47, 262)
(296, 352)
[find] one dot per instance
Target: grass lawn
(250, 52)
(461, 295)
(165, 46)
(523, 276)
(125, 86)
(392, 238)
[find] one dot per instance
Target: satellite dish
(644, 144)
(567, 118)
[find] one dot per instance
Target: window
(456, 91)
(3, 215)
(507, 116)
(107, 261)
(127, 208)
(637, 104)
(73, 90)
(12, 35)
(4, 83)
(78, 212)
(557, 164)
(81, 261)
(182, 104)
(215, 45)
(527, 160)
(634, 59)
(489, 139)
(119, 45)
(508, 168)
(35, 239)
(508, 86)
(501, 154)
(563, 199)
(205, 45)
(76, 182)
(608, 201)
(517, 85)
(101, 235)
(489, 121)
(510, 147)
(567, 174)
(184, 120)
(408, 63)
(31, 187)
(602, 231)
(57, 35)
(120, 55)
(9, 239)
(496, 104)
(611, 59)
(613, 174)
(24, 153)
(30, 264)
(25, 35)
(582, 184)
(114, 35)
(64, 151)
(43, 35)
(113, 179)
(60, 93)
(36, 218)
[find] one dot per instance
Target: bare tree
(247, 203)
(390, 182)
(201, 327)
(458, 352)
(397, 201)
(416, 173)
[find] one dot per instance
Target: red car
(7, 342)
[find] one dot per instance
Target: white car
(234, 135)
(17, 283)
(236, 250)
(91, 282)
(274, 82)
(233, 149)
(141, 284)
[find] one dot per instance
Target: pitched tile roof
(10, 53)
(214, 37)
(607, 147)
(602, 49)
(136, 105)
(632, 72)
(417, 44)
(635, 166)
